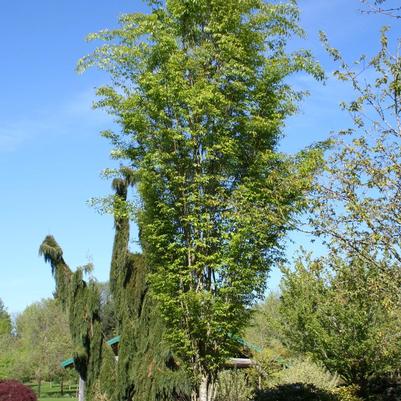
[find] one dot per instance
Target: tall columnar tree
(199, 89)
(81, 300)
(147, 369)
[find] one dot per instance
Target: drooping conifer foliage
(81, 300)
(147, 369)
(199, 90)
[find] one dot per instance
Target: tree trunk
(39, 386)
(206, 390)
(203, 389)
(62, 386)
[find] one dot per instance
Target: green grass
(52, 391)
(58, 399)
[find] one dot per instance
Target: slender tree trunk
(62, 386)
(206, 390)
(39, 386)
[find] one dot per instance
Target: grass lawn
(51, 391)
(58, 399)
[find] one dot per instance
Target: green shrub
(310, 392)
(234, 385)
(295, 392)
(306, 371)
(383, 388)
(347, 393)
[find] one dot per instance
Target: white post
(81, 390)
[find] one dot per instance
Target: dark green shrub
(384, 388)
(295, 392)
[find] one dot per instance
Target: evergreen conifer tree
(146, 369)
(81, 300)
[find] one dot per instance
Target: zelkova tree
(199, 89)
(81, 300)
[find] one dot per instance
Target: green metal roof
(117, 339)
(114, 340)
(67, 363)
(70, 361)
(247, 344)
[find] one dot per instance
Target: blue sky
(51, 153)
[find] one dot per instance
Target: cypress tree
(81, 300)
(106, 383)
(147, 369)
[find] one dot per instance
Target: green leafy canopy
(199, 90)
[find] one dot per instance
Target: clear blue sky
(51, 153)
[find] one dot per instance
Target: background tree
(265, 332)
(383, 7)
(265, 328)
(336, 310)
(278, 363)
(7, 343)
(5, 320)
(357, 201)
(199, 90)
(8, 356)
(43, 342)
(108, 313)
